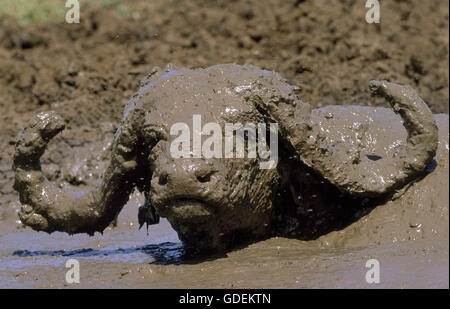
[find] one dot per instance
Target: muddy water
(125, 257)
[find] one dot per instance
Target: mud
(217, 203)
(54, 67)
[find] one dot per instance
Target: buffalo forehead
(215, 93)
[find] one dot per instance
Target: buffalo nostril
(163, 178)
(204, 177)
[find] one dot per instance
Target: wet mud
(89, 74)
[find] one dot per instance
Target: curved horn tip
(33, 139)
(379, 87)
(394, 93)
(48, 123)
